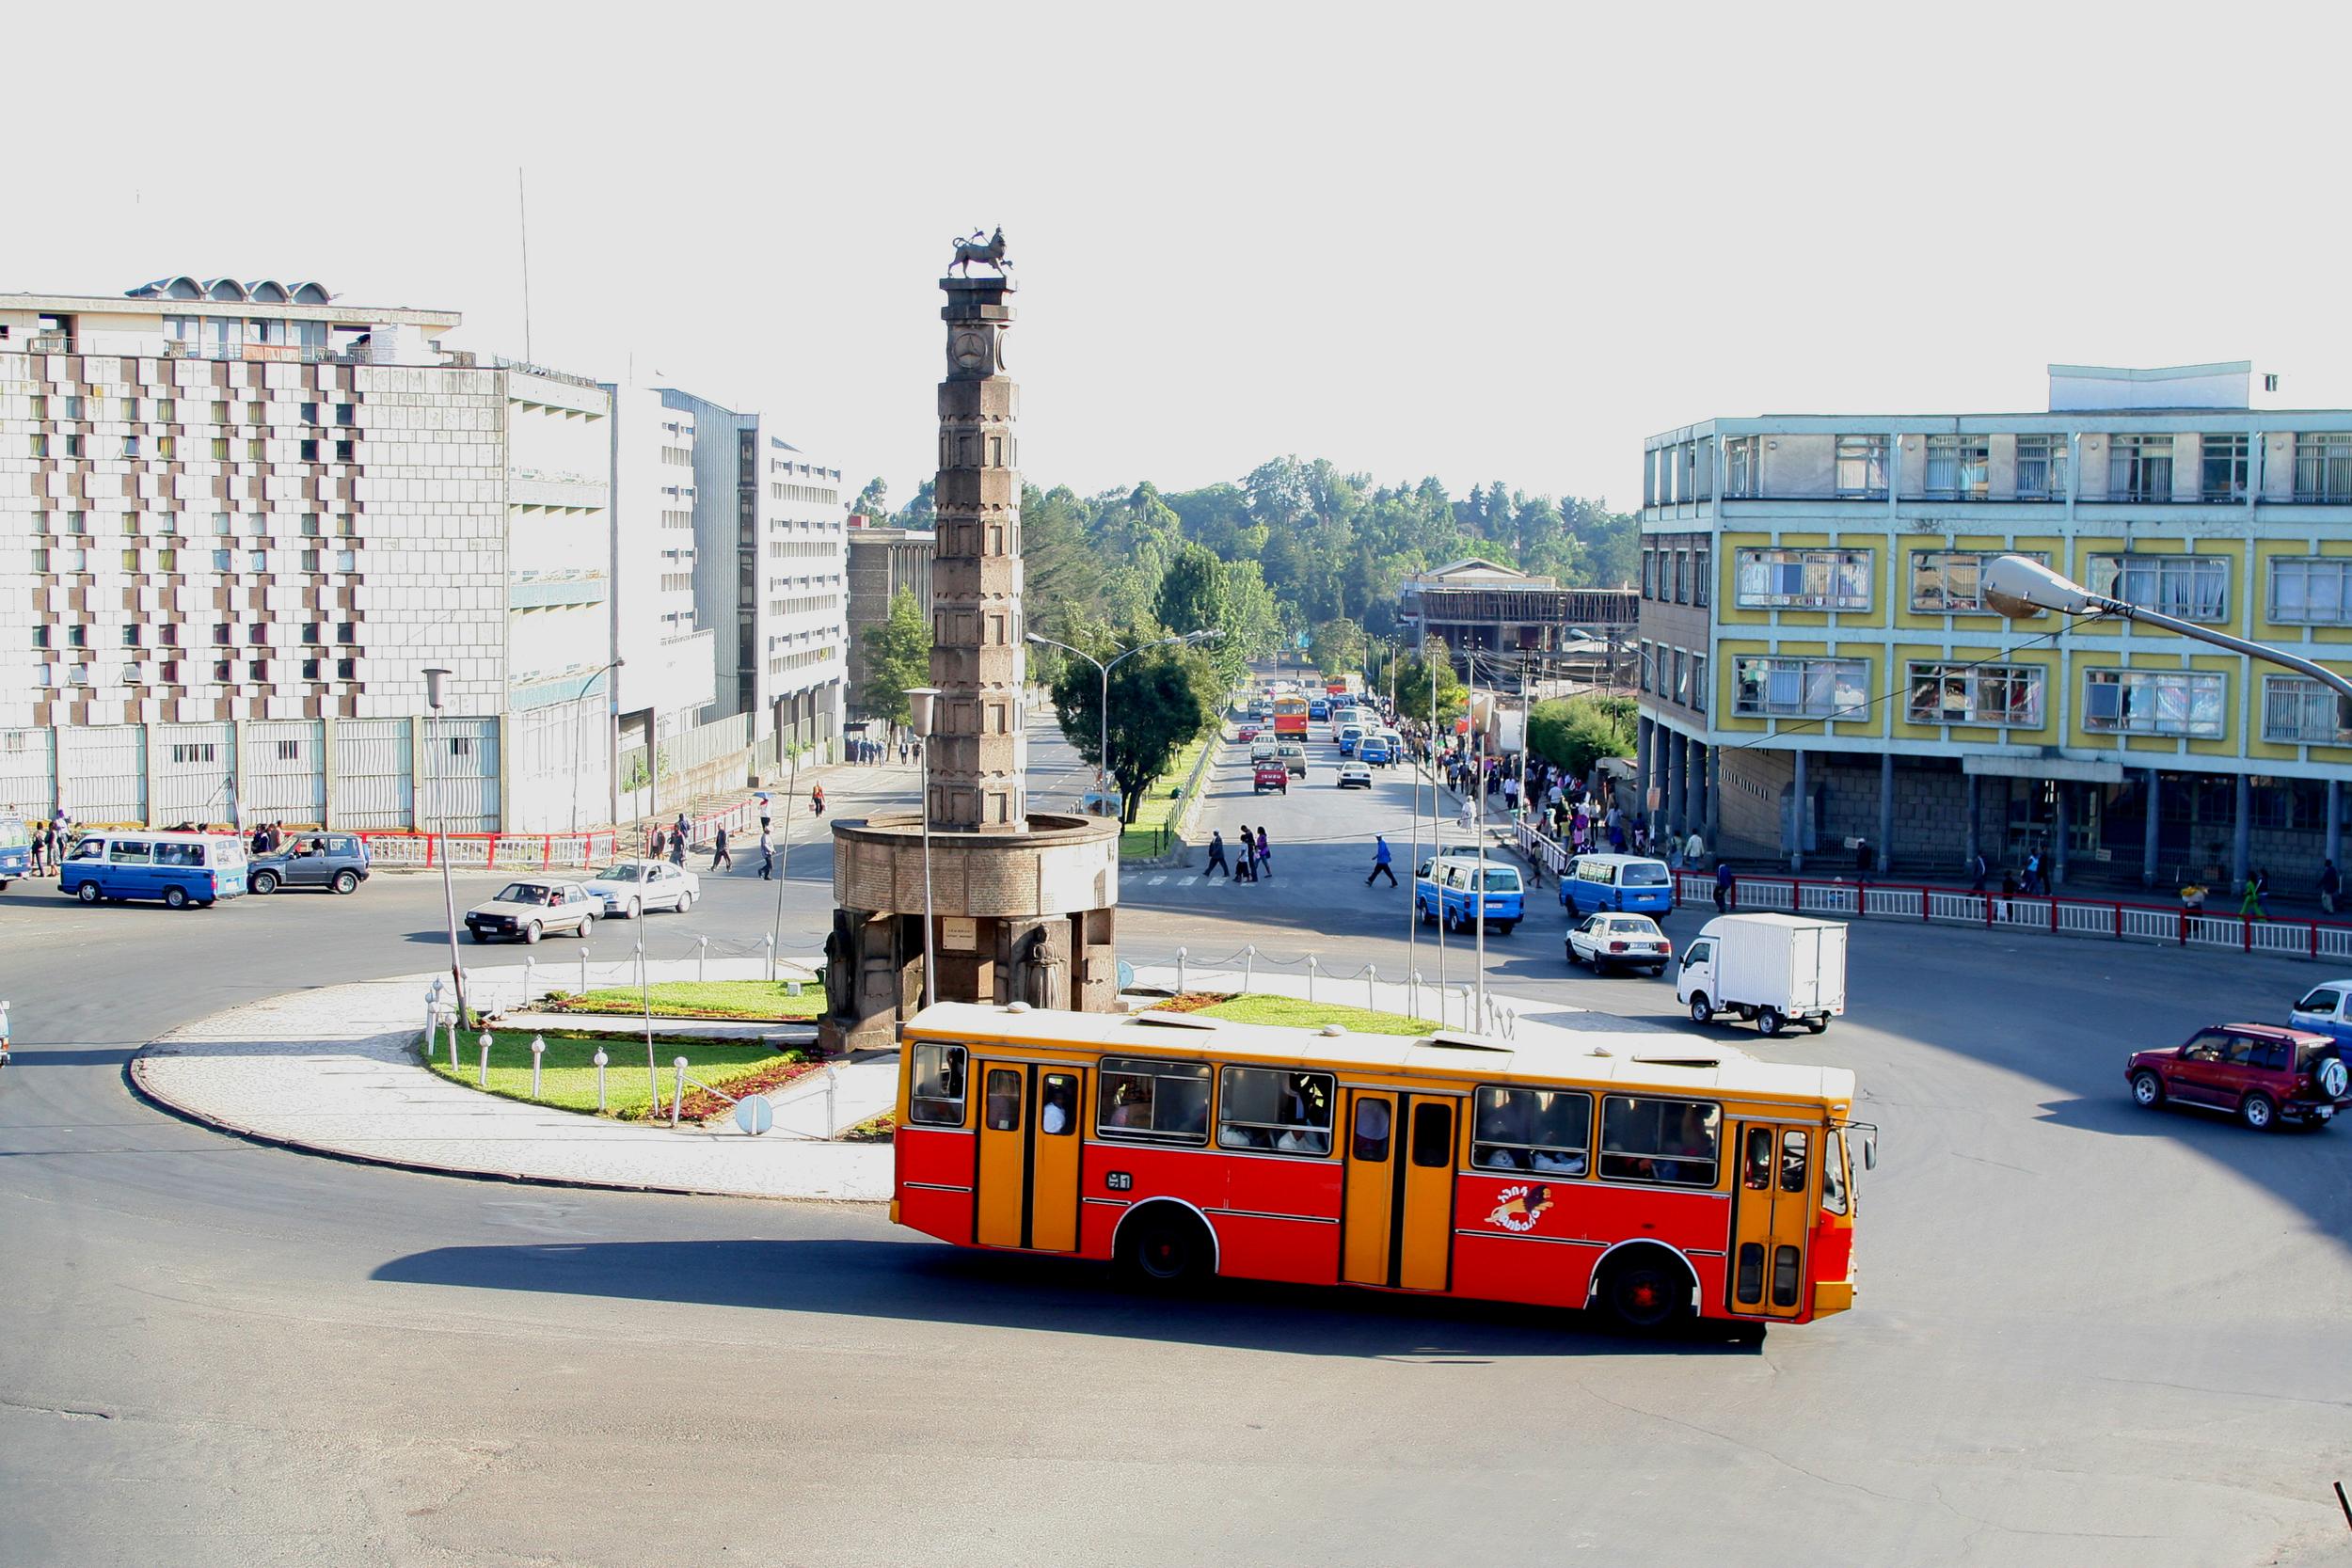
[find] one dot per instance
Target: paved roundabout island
(2086, 1334)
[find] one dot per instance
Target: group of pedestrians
(1252, 855)
(48, 843)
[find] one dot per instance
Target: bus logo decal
(1520, 1208)
(1118, 1182)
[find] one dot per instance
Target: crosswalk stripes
(1156, 882)
(1186, 882)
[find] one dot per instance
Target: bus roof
(1630, 1058)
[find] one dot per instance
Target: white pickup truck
(1771, 969)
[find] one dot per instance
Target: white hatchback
(630, 888)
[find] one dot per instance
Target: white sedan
(1609, 941)
(1353, 773)
(629, 888)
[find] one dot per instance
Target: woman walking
(1265, 854)
(1245, 857)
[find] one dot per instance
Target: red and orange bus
(1658, 1180)
(1290, 715)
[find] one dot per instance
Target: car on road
(2258, 1072)
(528, 910)
(1318, 709)
(1375, 751)
(1246, 733)
(1351, 735)
(1293, 758)
(1270, 775)
(1263, 749)
(1447, 889)
(2325, 1009)
(1354, 773)
(335, 861)
(1618, 942)
(627, 889)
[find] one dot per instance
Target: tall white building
(772, 584)
(238, 521)
(665, 680)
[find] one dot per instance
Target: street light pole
(1103, 714)
(435, 686)
(615, 716)
(919, 700)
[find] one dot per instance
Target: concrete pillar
(2242, 834)
(420, 802)
(1645, 743)
(2335, 823)
(1677, 780)
(1886, 813)
(1715, 798)
(1797, 813)
(1971, 845)
(1700, 759)
(2059, 827)
(2150, 833)
(326, 771)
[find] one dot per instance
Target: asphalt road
(2086, 1335)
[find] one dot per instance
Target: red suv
(1270, 775)
(2260, 1072)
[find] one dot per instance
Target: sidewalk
(335, 1071)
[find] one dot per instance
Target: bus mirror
(1870, 1152)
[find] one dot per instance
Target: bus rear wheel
(1166, 1249)
(175, 898)
(1645, 1292)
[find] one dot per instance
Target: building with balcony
(881, 561)
(1817, 665)
(1479, 605)
(667, 675)
(237, 522)
(771, 578)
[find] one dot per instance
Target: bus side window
(127, 852)
(937, 1096)
(1833, 1172)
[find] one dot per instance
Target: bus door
(1398, 1224)
(1025, 1188)
(1771, 1213)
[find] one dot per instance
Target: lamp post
(1102, 742)
(920, 700)
(436, 688)
(612, 715)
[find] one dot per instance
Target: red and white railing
(556, 851)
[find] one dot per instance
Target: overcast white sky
(1476, 240)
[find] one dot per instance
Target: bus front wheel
(1166, 1249)
(88, 893)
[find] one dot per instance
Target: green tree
(1574, 731)
(1160, 700)
(873, 502)
(918, 512)
(1336, 646)
(1413, 686)
(897, 655)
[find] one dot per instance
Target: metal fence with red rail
(549, 851)
(2117, 920)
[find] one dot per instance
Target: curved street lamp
(1103, 744)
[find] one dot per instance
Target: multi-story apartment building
(668, 666)
(1818, 665)
(772, 584)
(239, 520)
(881, 561)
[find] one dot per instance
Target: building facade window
(2153, 702)
(1742, 473)
(1700, 570)
(1801, 579)
(1944, 582)
(1960, 468)
(2323, 467)
(2222, 469)
(1977, 694)
(2299, 711)
(1776, 687)
(1862, 468)
(1698, 683)
(2140, 467)
(2192, 587)
(2041, 467)
(2313, 591)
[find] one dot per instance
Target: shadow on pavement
(922, 1283)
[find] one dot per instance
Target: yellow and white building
(1817, 669)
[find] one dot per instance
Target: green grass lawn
(1141, 839)
(732, 999)
(568, 1076)
(1298, 1013)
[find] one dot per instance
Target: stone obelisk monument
(1021, 901)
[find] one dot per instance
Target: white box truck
(1771, 969)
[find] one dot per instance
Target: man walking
(2251, 905)
(1380, 859)
(1723, 886)
(767, 856)
(1977, 872)
(718, 856)
(1245, 852)
(1216, 857)
(2329, 884)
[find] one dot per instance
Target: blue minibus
(1446, 890)
(123, 864)
(1634, 884)
(16, 848)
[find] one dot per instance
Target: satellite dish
(754, 1115)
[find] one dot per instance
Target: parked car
(529, 910)
(2259, 1072)
(1270, 775)
(335, 861)
(1293, 758)
(627, 889)
(1447, 889)
(1632, 882)
(2325, 1009)
(1773, 969)
(1611, 940)
(1354, 773)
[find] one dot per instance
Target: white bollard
(584, 972)
(452, 1039)
(677, 1094)
(602, 1060)
(701, 958)
(483, 1082)
(530, 977)
(831, 1078)
(1311, 977)
(1248, 967)
(1413, 991)
(1180, 972)
(767, 939)
(1372, 983)
(538, 1057)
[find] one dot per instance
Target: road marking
(1187, 882)
(1157, 880)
